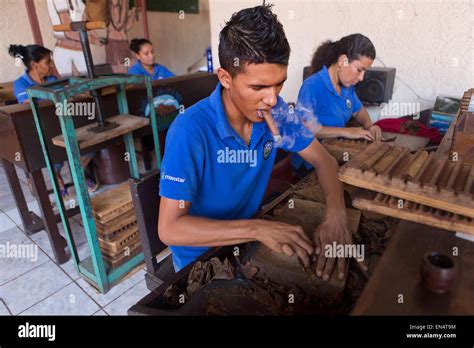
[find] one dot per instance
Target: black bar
(314, 330)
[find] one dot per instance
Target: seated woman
(330, 94)
(145, 64)
(39, 70)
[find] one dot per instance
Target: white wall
(12, 31)
(430, 43)
(178, 42)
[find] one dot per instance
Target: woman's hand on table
(376, 132)
(358, 133)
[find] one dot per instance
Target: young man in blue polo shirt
(220, 153)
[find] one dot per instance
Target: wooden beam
(33, 19)
(146, 32)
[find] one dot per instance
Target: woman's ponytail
(324, 55)
(28, 54)
(353, 46)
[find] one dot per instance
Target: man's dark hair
(253, 35)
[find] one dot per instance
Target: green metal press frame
(93, 268)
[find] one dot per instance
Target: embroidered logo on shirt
(267, 149)
(172, 178)
(348, 103)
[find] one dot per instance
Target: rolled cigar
(272, 126)
(382, 150)
(416, 164)
(469, 182)
(387, 159)
(388, 140)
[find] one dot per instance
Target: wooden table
(6, 93)
(398, 273)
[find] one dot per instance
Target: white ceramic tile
(77, 231)
(7, 203)
(121, 305)
(21, 174)
(5, 222)
(14, 214)
(116, 291)
(41, 237)
(71, 300)
(4, 189)
(69, 267)
(3, 309)
(34, 286)
(18, 255)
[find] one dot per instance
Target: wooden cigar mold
(466, 99)
(344, 149)
(423, 178)
(463, 139)
(116, 224)
(411, 211)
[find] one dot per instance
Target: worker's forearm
(198, 231)
(331, 132)
(363, 118)
(332, 187)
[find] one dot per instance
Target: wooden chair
(146, 201)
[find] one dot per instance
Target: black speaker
(306, 72)
(377, 86)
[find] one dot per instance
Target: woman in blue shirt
(39, 69)
(145, 64)
(330, 94)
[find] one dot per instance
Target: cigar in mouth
(271, 125)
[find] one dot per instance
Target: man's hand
(357, 133)
(376, 132)
(285, 238)
(334, 228)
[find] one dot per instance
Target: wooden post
(146, 32)
(33, 19)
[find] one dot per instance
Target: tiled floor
(35, 285)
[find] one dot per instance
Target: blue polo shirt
(332, 110)
(207, 163)
(21, 84)
(159, 71)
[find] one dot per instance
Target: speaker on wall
(377, 86)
